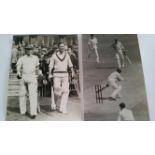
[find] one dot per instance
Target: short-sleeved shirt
(60, 64)
(92, 43)
(28, 64)
(126, 115)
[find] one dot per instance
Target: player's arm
(123, 49)
(71, 53)
(96, 42)
(120, 78)
(113, 46)
(72, 72)
(70, 65)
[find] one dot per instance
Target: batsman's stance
(113, 81)
(59, 67)
(92, 47)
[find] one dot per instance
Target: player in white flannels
(27, 70)
(119, 48)
(125, 114)
(92, 47)
(59, 67)
(113, 81)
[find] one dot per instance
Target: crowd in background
(44, 53)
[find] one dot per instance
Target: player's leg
(32, 88)
(117, 88)
(97, 55)
(122, 58)
(118, 60)
(65, 93)
(90, 51)
(57, 91)
(22, 97)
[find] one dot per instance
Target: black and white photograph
(113, 81)
(77, 74)
(44, 78)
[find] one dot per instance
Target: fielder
(119, 48)
(125, 114)
(27, 68)
(113, 81)
(59, 67)
(92, 47)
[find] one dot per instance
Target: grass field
(133, 90)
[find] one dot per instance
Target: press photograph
(44, 78)
(113, 81)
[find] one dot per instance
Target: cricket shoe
(33, 116)
(63, 111)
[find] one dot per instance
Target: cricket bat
(127, 58)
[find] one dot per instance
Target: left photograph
(44, 79)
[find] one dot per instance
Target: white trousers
(61, 92)
(120, 59)
(30, 89)
(96, 53)
(117, 88)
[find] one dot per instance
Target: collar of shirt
(61, 56)
(29, 56)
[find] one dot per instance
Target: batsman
(113, 81)
(120, 53)
(59, 67)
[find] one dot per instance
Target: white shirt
(115, 76)
(92, 43)
(27, 64)
(60, 64)
(119, 46)
(125, 115)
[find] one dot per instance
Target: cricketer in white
(60, 62)
(27, 67)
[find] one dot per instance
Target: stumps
(98, 92)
